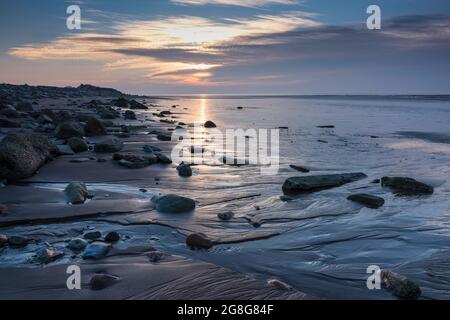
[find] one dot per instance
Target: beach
(276, 245)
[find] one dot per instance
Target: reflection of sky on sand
(420, 145)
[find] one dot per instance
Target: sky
(178, 47)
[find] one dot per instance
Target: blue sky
(229, 46)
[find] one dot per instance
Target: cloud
(242, 3)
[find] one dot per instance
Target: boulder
(65, 150)
(77, 244)
(96, 251)
(298, 185)
(162, 158)
(137, 105)
(121, 103)
(112, 236)
(47, 255)
(77, 144)
(108, 146)
(184, 170)
(129, 115)
(76, 192)
(102, 280)
(18, 241)
(7, 123)
(209, 124)
(399, 285)
(24, 106)
(225, 215)
(198, 241)
(173, 203)
(92, 235)
(367, 200)
(155, 256)
(94, 127)
(164, 137)
(132, 161)
(68, 130)
(22, 154)
(299, 168)
(406, 186)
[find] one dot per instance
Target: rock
(10, 112)
(65, 150)
(109, 146)
(7, 123)
(198, 241)
(132, 161)
(162, 158)
(209, 124)
(297, 185)
(406, 186)
(225, 215)
(151, 149)
(22, 154)
(44, 119)
(173, 203)
(76, 192)
(18, 241)
(77, 144)
(326, 127)
(184, 170)
(129, 115)
(92, 235)
(3, 240)
(286, 198)
(278, 284)
(137, 105)
(376, 181)
(112, 236)
(239, 108)
(164, 137)
(299, 168)
(155, 256)
(102, 280)
(24, 106)
(96, 251)
(77, 244)
(399, 285)
(367, 200)
(322, 141)
(94, 127)
(68, 130)
(47, 255)
(121, 103)
(79, 160)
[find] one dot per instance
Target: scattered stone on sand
(228, 215)
(184, 170)
(162, 158)
(18, 241)
(94, 127)
(129, 115)
(278, 284)
(68, 130)
(92, 235)
(406, 186)
(47, 255)
(109, 146)
(299, 168)
(209, 124)
(198, 241)
(155, 256)
(22, 154)
(399, 285)
(112, 236)
(173, 203)
(297, 185)
(65, 150)
(96, 250)
(76, 192)
(367, 200)
(102, 280)
(77, 244)
(77, 144)
(164, 137)
(3, 240)
(8, 123)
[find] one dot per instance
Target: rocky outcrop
(298, 185)
(22, 154)
(406, 186)
(367, 200)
